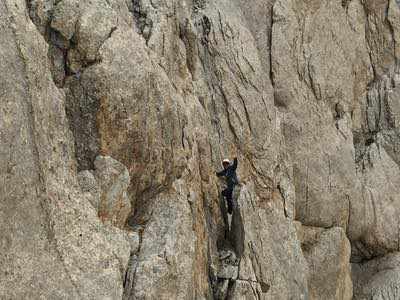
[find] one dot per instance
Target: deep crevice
(143, 23)
(230, 250)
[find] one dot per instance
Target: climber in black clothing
(229, 172)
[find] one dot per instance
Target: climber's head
(226, 163)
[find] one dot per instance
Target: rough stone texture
(327, 253)
(90, 187)
(113, 179)
(374, 220)
(378, 214)
(378, 278)
(263, 262)
(304, 93)
(228, 268)
(53, 246)
(340, 124)
(313, 52)
(106, 187)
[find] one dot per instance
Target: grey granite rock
(150, 96)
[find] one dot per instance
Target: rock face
(107, 186)
(115, 115)
(327, 252)
(113, 179)
(313, 53)
(377, 278)
(53, 246)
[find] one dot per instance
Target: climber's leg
(227, 193)
(230, 205)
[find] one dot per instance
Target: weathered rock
(223, 289)
(89, 185)
(251, 290)
(224, 254)
(129, 280)
(228, 268)
(228, 256)
(313, 48)
(106, 187)
(167, 250)
(227, 271)
(57, 58)
(134, 241)
(113, 180)
(65, 17)
(257, 224)
(328, 255)
(380, 24)
(378, 278)
(305, 93)
(96, 25)
(40, 12)
(375, 220)
(157, 153)
(53, 245)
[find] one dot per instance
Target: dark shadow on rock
(230, 250)
(223, 241)
(236, 233)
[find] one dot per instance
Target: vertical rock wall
(115, 115)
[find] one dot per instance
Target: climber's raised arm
(235, 163)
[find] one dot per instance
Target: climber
(229, 172)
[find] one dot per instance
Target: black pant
(227, 193)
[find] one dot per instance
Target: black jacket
(230, 174)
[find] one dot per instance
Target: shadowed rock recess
(115, 115)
